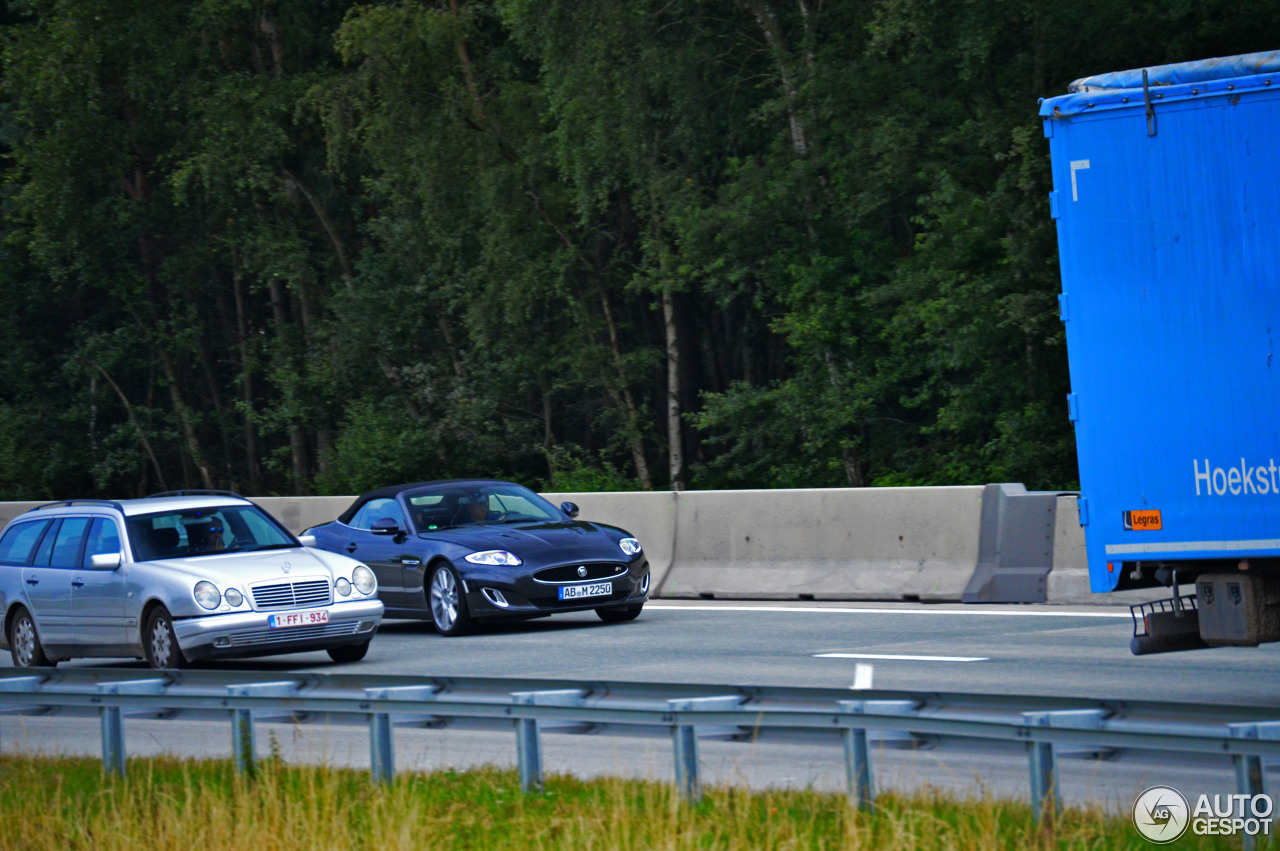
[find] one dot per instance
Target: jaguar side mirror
(569, 508)
(385, 526)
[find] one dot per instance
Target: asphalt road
(1081, 651)
(1032, 650)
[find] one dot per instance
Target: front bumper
(526, 598)
(248, 634)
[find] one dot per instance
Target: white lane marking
(922, 611)
(896, 658)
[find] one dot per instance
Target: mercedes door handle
(77, 582)
(33, 581)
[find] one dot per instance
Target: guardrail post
(528, 739)
(857, 750)
(685, 740)
(382, 753)
(1251, 779)
(113, 750)
(1045, 798)
(113, 753)
(244, 744)
(382, 765)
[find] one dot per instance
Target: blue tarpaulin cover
(1200, 71)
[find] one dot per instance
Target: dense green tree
(309, 245)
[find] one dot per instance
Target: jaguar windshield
(445, 506)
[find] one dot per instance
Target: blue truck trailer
(1166, 196)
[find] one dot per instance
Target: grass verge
(59, 804)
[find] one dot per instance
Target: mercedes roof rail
(67, 502)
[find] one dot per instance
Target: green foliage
(318, 245)
(572, 471)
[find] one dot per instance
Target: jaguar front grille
(587, 572)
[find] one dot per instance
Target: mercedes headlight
(362, 578)
(495, 558)
(233, 597)
(208, 595)
(630, 546)
(343, 587)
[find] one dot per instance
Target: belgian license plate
(574, 592)
(298, 619)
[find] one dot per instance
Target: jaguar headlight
(207, 594)
(495, 558)
(630, 546)
(362, 578)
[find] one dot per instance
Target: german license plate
(575, 592)
(298, 619)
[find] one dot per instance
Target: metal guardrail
(1044, 726)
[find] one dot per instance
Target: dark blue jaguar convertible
(470, 550)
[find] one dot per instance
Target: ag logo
(1161, 814)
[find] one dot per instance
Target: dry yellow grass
(56, 805)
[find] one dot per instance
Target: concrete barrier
(826, 544)
(303, 512)
(820, 544)
(10, 510)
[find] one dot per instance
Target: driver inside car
(475, 509)
(204, 535)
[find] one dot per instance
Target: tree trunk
(675, 439)
(251, 455)
(133, 420)
(297, 438)
(623, 394)
(185, 423)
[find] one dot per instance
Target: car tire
(24, 643)
(619, 614)
(348, 652)
(160, 642)
(447, 602)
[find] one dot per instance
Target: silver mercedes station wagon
(175, 578)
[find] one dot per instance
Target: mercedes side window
(104, 539)
(45, 551)
(66, 548)
(19, 540)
